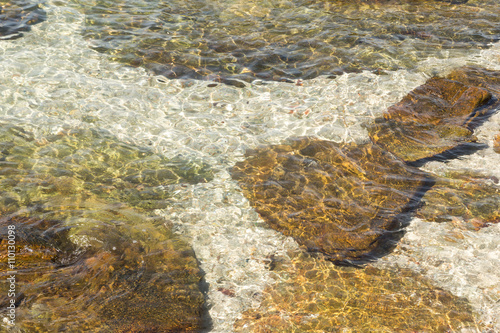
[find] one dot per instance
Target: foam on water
(51, 79)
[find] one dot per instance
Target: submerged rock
(85, 261)
(235, 41)
(346, 201)
(478, 77)
(85, 162)
(102, 268)
(17, 16)
(313, 295)
(434, 117)
(462, 196)
(350, 201)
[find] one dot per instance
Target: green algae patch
(434, 118)
(87, 162)
(313, 295)
(103, 268)
(17, 16)
(346, 201)
(462, 196)
(234, 41)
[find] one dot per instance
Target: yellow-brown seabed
(313, 295)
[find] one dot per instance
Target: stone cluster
(350, 201)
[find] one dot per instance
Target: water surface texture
(278, 40)
(128, 173)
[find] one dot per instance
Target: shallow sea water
(51, 80)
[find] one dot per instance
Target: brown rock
(346, 201)
(474, 200)
(478, 77)
(102, 268)
(431, 119)
(313, 295)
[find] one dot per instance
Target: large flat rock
(345, 201)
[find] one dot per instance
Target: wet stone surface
(478, 77)
(313, 295)
(235, 41)
(92, 266)
(434, 117)
(345, 201)
(17, 16)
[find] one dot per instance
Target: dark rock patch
(17, 16)
(102, 268)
